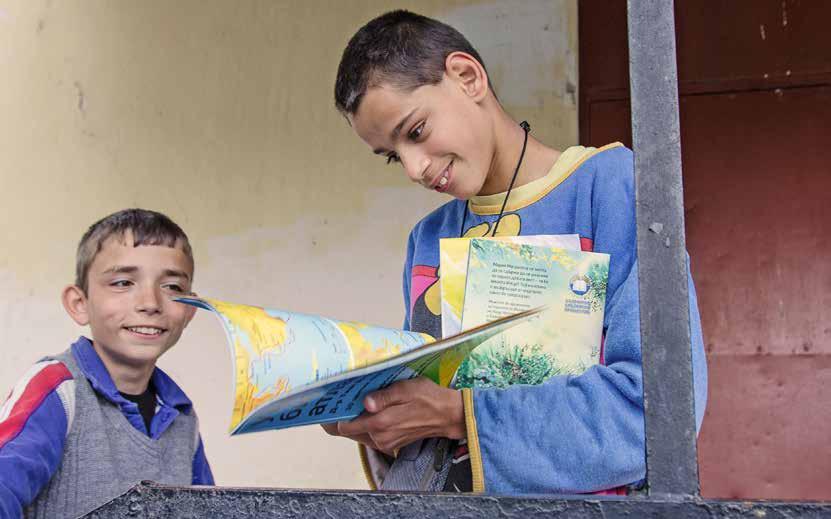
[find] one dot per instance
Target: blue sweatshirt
(36, 418)
(572, 433)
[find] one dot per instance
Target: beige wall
(220, 114)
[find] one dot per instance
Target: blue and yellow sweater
(573, 433)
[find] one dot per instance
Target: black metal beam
(669, 410)
(148, 501)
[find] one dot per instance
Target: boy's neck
(509, 137)
(128, 378)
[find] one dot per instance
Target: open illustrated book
(294, 369)
(530, 308)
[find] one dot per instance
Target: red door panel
(755, 114)
(763, 436)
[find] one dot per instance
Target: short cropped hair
(399, 48)
(147, 228)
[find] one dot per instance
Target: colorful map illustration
(294, 369)
(276, 351)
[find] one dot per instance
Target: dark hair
(403, 49)
(147, 228)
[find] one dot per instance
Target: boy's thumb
(379, 400)
(372, 403)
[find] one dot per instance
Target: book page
(332, 402)
(275, 351)
(295, 369)
(453, 258)
(504, 278)
(338, 400)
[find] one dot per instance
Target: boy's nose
(416, 166)
(149, 301)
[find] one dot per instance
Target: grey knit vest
(105, 455)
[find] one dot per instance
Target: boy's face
(128, 304)
(439, 133)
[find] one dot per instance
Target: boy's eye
(393, 157)
(416, 132)
(121, 283)
(174, 287)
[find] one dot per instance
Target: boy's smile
(442, 182)
(128, 305)
(441, 136)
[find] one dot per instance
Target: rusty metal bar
(669, 407)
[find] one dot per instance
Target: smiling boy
(84, 426)
(417, 93)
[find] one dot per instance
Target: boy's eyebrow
(121, 269)
(176, 273)
(396, 131)
(125, 269)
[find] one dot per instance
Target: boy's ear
(75, 303)
(468, 73)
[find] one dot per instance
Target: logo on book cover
(580, 285)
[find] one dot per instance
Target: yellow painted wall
(220, 114)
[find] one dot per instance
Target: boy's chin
(465, 195)
(462, 193)
(143, 352)
(146, 351)
(142, 358)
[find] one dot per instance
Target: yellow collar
(525, 195)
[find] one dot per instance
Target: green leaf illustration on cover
(504, 278)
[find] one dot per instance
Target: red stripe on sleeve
(586, 244)
(36, 391)
(424, 270)
(602, 349)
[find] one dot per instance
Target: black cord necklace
(442, 446)
(527, 128)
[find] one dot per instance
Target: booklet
(294, 369)
(453, 258)
(505, 278)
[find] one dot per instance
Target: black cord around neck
(527, 128)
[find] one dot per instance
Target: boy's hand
(407, 411)
(332, 428)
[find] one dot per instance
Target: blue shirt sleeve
(202, 474)
(30, 457)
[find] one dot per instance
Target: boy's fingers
(334, 429)
(353, 427)
(367, 424)
(331, 428)
(398, 393)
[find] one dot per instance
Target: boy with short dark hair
(417, 92)
(84, 426)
